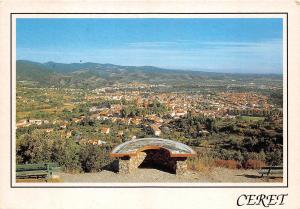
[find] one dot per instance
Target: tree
(87, 122)
(34, 148)
(66, 153)
(210, 124)
(250, 143)
(93, 158)
(274, 158)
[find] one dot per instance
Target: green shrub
(66, 153)
(225, 154)
(274, 158)
(93, 158)
(34, 148)
(255, 156)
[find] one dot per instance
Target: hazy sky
(246, 45)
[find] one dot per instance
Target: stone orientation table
(163, 154)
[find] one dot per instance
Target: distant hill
(95, 74)
(27, 70)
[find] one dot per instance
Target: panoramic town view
(193, 100)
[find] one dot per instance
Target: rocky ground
(153, 175)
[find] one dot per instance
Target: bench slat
(270, 170)
(272, 167)
(32, 172)
(41, 170)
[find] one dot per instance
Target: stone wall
(124, 165)
(157, 158)
(181, 166)
(129, 164)
(138, 159)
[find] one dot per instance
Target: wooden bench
(270, 170)
(42, 170)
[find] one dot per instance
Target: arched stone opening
(159, 159)
(161, 154)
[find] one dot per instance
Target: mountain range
(95, 75)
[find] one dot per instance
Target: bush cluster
(41, 147)
(231, 164)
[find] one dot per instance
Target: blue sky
(245, 45)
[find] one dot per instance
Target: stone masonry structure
(157, 153)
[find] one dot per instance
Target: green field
(252, 118)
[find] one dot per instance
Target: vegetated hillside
(96, 75)
(46, 76)
(33, 71)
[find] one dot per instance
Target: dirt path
(153, 175)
